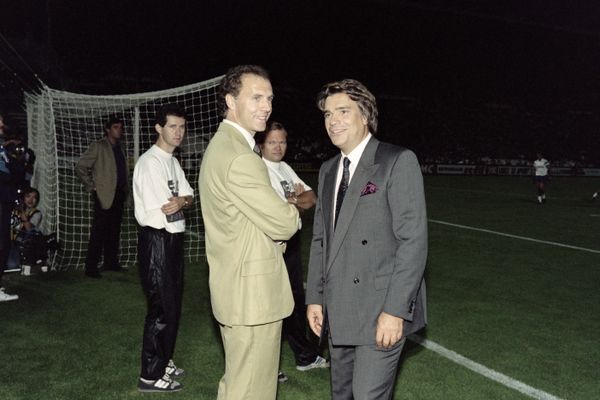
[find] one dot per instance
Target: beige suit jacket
(97, 169)
(243, 220)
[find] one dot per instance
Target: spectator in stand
(103, 171)
(287, 184)
(11, 176)
(540, 165)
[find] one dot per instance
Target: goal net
(62, 126)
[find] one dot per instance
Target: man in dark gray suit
(365, 289)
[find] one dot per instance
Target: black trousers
(105, 233)
(295, 326)
(160, 255)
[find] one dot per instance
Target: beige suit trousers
(251, 361)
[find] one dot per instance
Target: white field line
(483, 370)
(515, 236)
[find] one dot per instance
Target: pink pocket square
(370, 188)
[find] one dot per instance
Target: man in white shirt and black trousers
(273, 146)
(161, 193)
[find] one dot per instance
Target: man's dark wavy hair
(358, 93)
(169, 109)
(112, 119)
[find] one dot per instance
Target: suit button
(356, 280)
(364, 242)
(322, 280)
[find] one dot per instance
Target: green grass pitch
(512, 298)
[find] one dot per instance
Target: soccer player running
(540, 165)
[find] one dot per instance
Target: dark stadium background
(455, 80)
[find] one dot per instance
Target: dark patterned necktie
(342, 190)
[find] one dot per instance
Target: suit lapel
(364, 171)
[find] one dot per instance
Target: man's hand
(303, 200)
(314, 314)
(299, 188)
(175, 204)
(389, 330)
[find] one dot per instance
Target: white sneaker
(319, 362)
(6, 296)
(173, 371)
(164, 384)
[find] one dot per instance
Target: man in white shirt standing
(287, 184)
(160, 193)
(540, 165)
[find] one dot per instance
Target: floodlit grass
(528, 310)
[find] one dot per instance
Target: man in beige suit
(245, 223)
(103, 171)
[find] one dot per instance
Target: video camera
(13, 147)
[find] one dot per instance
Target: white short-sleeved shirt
(281, 172)
(151, 176)
(541, 167)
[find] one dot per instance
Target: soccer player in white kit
(540, 166)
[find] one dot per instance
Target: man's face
(171, 135)
(252, 106)
(275, 145)
(344, 122)
(115, 132)
(30, 199)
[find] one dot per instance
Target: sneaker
(319, 362)
(7, 297)
(281, 377)
(164, 384)
(173, 371)
(595, 196)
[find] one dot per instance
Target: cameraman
(12, 174)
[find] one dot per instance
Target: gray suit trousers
(364, 372)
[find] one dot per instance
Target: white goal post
(62, 125)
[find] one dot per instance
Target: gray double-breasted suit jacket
(375, 259)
